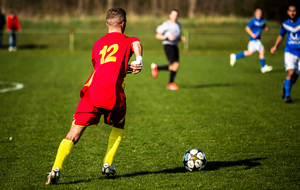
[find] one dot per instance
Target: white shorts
(255, 45)
(291, 62)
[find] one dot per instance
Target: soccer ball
(194, 160)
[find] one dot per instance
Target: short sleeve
(161, 29)
(249, 24)
(282, 31)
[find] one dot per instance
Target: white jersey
(169, 28)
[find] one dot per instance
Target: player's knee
(174, 66)
(119, 125)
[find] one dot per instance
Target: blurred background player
(2, 24)
(291, 28)
(254, 29)
(13, 27)
(170, 33)
(103, 93)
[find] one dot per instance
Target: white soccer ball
(194, 160)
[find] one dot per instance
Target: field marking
(16, 86)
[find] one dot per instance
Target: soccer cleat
(232, 59)
(154, 71)
(172, 86)
(288, 99)
(108, 169)
(266, 68)
(53, 177)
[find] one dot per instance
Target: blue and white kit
(256, 26)
(292, 48)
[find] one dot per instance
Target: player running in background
(254, 29)
(291, 28)
(103, 93)
(170, 33)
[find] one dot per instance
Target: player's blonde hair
(115, 16)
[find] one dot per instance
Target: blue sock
(240, 55)
(288, 87)
(262, 62)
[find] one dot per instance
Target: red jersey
(13, 23)
(105, 87)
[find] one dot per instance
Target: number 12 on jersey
(111, 50)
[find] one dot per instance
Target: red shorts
(86, 114)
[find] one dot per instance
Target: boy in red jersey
(13, 26)
(103, 92)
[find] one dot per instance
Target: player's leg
(288, 85)
(291, 62)
(117, 117)
(10, 41)
(114, 141)
(173, 57)
(84, 116)
(63, 152)
(173, 68)
(260, 48)
(15, 33)
(67, 144)
(242, 54)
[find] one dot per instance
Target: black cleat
(288, 99)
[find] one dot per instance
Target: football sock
(113, 144)
(262, 62)
(64, 150)
(288, 87)
(240, 55)
(172, 76)
(164, 67)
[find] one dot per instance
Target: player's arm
(137, 65)
(249, 31)
(160, 36)
(277, 43)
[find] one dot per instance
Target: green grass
(235, 115)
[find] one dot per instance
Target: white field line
(16, 86)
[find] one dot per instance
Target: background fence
(39, 9)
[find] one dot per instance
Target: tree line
(40, 9)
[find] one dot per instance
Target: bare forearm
(137, 48)
(278, 41)
(249, 31)
(160, 36)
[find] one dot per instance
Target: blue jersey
(256, 26)
(292, 31)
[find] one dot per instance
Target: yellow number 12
(109, 58)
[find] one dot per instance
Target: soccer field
(235, 115)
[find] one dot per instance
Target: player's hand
(254, 36)
(273, 49)
(136, 68)
(137, 65)
(171, 38)
(182, 38)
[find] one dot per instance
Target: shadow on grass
(208, 85)
(211, 166)
(249, 163)
(28, 46)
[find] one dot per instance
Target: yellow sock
(113, 144)
(64, 150)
